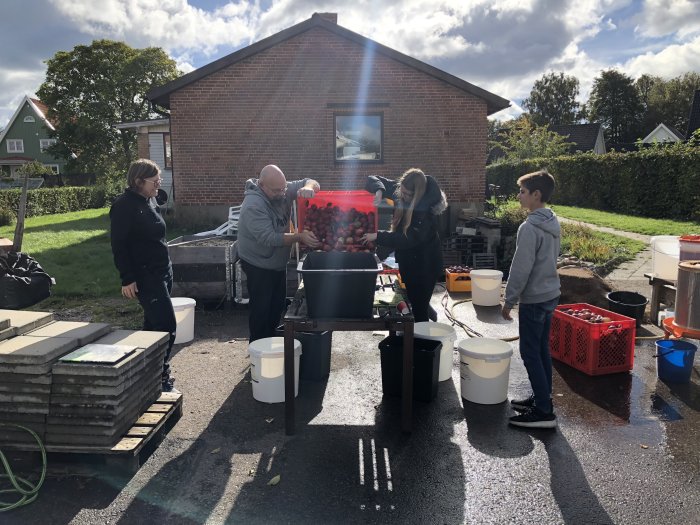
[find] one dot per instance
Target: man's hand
(505, 312)
(309, 239)
(130, 290)
(378, 198)
(306, 193)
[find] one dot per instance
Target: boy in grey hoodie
(534, 282)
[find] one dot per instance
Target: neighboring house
(153, 142)
(26, 137)
(324, 102)
(663, 133)
(694, 116)
(583, 137)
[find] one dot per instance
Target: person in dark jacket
(413, 234)
(140, 253)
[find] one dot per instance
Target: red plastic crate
(593, 348)
(346, 201)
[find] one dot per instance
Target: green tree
(91, 88)
(34, 169)
(615, 103)
(669, 101)
(523, 139)
(553, 100)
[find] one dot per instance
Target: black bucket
(630, 304)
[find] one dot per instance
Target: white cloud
(172, 24)
(671, 62)
(666, 17)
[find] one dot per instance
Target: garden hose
(467, 329)
(26, 490)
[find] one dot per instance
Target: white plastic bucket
(447, 336)
(484, 370)
(665, 255)
(486, 287)
(267, 368)
(184, 315)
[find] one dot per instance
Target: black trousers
(419, 288)
(267, 295)
(158, 313)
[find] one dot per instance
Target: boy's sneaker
(534, 418)
(523, 405)
(168, 386)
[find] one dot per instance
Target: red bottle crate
(593, 348)
(361, 201)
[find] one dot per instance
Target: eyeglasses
(277, 191)
(155, 183)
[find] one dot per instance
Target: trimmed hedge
(45, 201)
(656, 182)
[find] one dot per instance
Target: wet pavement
(627, 449)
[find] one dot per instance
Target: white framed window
(29, 118)
(15, 146)
(45, 143)
(54, 168)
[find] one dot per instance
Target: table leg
(407, 381)
(654, 312)
(289, 378)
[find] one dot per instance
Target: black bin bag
(23, 282)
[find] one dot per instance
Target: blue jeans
(535, 321)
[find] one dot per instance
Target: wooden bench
(662, 292)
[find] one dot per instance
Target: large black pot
(630, 304)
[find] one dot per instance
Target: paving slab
(4, 323)
(24, 397)
(91, 396)
(139, 338)
(129, 382)
(32, 350)
(38, 379)
(84, 333)
(65, 378)
(23, 320)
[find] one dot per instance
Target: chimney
(331, 17)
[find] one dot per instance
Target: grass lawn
(74, 249)
(628, 223)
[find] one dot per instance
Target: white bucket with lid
(665, 255)
(267, 368)
(484, 370)
(444, 333)
(184, 315)
(486, 287)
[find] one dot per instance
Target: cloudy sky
(500, 45)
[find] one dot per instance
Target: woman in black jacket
(413, 234)
(141, 255)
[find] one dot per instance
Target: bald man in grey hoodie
(264, 244)
(534, 282)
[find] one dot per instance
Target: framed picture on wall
(359, 137)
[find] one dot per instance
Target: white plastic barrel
(184, 315)
(484, 370)
(447, 336)
(665, 255)
(486, 287)
(267, 368)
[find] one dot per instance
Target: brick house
(324, 102)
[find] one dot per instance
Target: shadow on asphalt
(574, 496)
(609, 392)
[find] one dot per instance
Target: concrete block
(149, 341)
(24, 321)
(27, 350)
(4, 323)
(84, 332)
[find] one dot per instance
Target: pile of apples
(586, 315)
(456, 268)
(339, 229)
